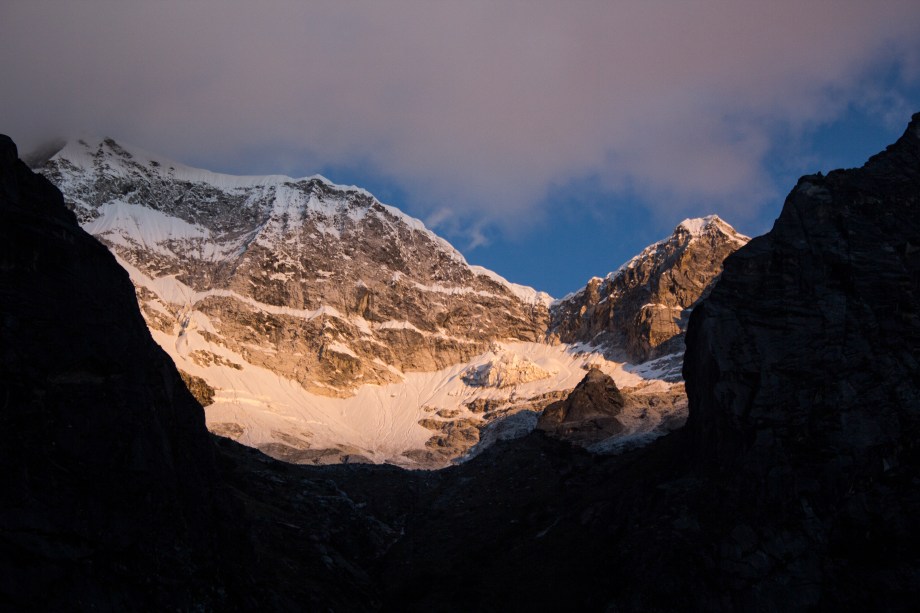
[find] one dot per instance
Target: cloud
(479, 108)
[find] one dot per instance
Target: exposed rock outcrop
(199, 388)
(600, 417)
(507, 370)
(641, 309)
(589, 414)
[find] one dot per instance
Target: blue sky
(549, 141)
(588, 231)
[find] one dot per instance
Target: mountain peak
(137, 172)
(640, 307)
(8, 151)
(283, 294)
(87, 152)
(699, 226)
(914, 125)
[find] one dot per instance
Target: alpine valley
(793, 485)
(321, 326)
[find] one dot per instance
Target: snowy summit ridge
(130, 162)
(114, 161)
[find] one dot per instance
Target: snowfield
(379, 422)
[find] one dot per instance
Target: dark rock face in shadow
(812, 337)
(107, 465)
(803, 374)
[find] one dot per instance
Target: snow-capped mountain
(343, 289)
(639, 312)
(320, 325)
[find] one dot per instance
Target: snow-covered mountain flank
(320, 325)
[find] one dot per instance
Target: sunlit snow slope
(317, 323)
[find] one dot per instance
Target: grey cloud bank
(475, 109)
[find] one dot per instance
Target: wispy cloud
(474, 107)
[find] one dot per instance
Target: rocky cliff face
(641, 309)
(816, 324)
(803, 373)
(108, 469)
(318, 283)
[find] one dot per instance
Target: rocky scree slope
(640, 310)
